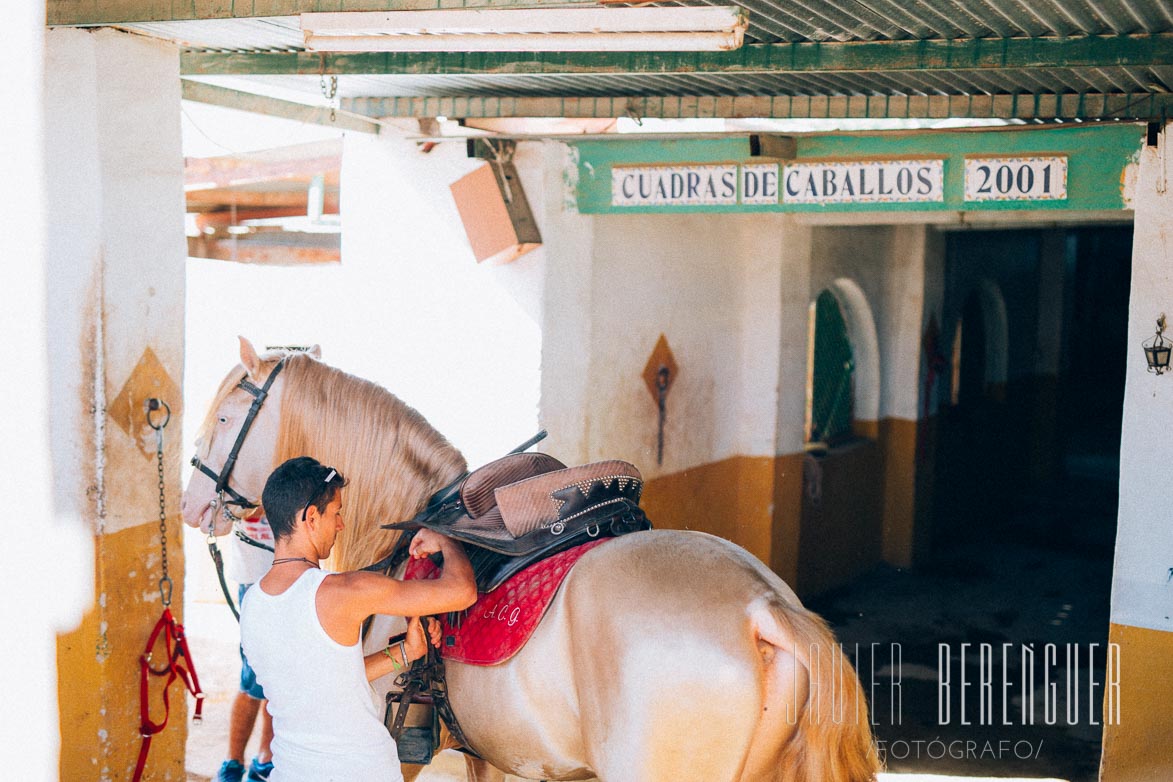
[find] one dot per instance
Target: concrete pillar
(46, 570)
(115, 259)
(1136, 747)
(912, 290)
(793, 282)
(901, 326)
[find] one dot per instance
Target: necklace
(283, 560)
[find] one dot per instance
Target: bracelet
(403, 651)
(394, 663)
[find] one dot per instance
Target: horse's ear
(315, 351)
(249, 358)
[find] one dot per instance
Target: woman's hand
(416, 642)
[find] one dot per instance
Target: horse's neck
(404, 463)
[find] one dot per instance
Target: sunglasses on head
(329, 477)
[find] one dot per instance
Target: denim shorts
(248, 678)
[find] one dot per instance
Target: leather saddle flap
(558, 498)
(477, 492)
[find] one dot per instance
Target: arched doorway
(843, 467)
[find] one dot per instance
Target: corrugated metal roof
(848, 20)
(771, 22)
(791, 21)
(960, 82)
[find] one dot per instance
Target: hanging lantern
(1157, 349)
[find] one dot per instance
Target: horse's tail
(830, 737)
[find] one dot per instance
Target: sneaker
(230, 771)
(258, 771)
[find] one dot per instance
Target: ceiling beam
(300, 162)
(287, 249)
(225, 198)
(89, 13)
(929, 55)
(1027, 107)
(275, 107)
(223, 219)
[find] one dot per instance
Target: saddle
(525, 507)
(511, 513)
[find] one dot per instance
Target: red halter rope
(175, 643)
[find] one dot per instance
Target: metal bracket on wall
(659, 374)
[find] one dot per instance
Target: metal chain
(166, 585)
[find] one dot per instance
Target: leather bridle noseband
(222, 488)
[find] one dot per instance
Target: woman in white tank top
(300, 628)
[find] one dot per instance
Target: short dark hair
(294, 486)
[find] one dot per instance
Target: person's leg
(265, 752)
(243, 717)
(262, 765)
(240, 725)
(240, 728)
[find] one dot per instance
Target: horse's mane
(392, 457)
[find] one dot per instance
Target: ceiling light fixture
(652, 29)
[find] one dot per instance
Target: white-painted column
(115, 264)
(46, 570)
(793, 289)
(901, 321)
(1142, 592)
(1136, 734)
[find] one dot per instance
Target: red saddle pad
(501, 621)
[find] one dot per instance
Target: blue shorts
(248, 678)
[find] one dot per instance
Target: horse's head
(393, 459)
(229, 476)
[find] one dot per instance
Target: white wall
(408, 307)
(46, 567)
(714, 285)
(1141, 590)
(566, 322)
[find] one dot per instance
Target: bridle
(222, 488)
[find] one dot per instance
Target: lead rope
(174, 638)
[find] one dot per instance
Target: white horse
(665, 656)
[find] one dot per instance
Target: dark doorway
(1024, 511)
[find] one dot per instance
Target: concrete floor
(1040, 576)
(213, 637)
